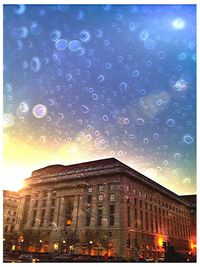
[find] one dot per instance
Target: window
(128, 216)
(11, 228)
(35, 203)
(100, 187)
(112, 197)
(112, 187)
(13, 220)
(88, 216)
(6, 228)
(51, 216)
(89, 189)
(147, 225)
(135, 201)
(99, 216)
(8, 219)
(135, 215)
(140, 194)
(100, 197)
(141, 219)
(42, 217)
(53, 202)
(14, 213)
(34, 217)
(44, 202)
(127, 187)
(151, 222)
(134, 191)
(89, 199)
(69, 210)
(140, 203)
(112, 214)
(146, 205)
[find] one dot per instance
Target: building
(192, 199)
(10, 204)
(100, 207)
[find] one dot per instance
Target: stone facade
(101, 207)
(10, 204)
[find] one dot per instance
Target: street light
(40, 245)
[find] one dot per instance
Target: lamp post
(40, 245)
(90, 246)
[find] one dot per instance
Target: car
(161, 259)
(149, 259)
(63, 258)
(27, 258)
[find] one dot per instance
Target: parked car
(27, 258)
(64, 258)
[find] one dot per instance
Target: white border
(114, 2)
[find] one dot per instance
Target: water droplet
(39, 111)
(99, 33)
(136, 73)
(188, 139)
(60, 116)
(95, 97)
(85, 36)
(177, 156)
(35, 64)
(170, 122)
(68, 77)
(144, 35)
(180, 85)
(74, 46)
(23, 107)
(140, 121)
(156, 136)
(35, 29)
(20, 9)
(123, 86)
(8, 120)
(100, 78)
(84, 109)
(42, 139)
(61, 44)
(55, 35)
(165, 162)
(105, 117)
(186, 180)
(108, 66)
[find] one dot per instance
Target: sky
(85, 82)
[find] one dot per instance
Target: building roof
(95, 165)
(191, 199)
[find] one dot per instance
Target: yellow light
(68, 222)
(192, 245)
(13, 247)
(160, 241)
(55, 246)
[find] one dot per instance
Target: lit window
(140, 194)
(112, 197)
(134, 191)
(100, 198)
(100, 187)
(90, 189)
